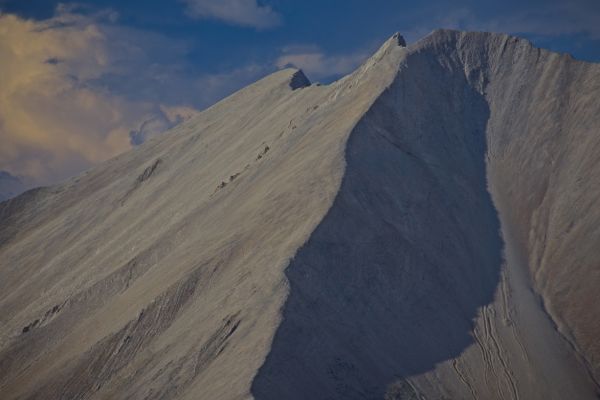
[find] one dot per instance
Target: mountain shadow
(391, 280)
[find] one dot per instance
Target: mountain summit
(424, 228)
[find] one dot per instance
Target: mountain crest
(425, 227)
(399, 39)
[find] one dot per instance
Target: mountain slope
(366, 239)
(160, 273)
(410, 252)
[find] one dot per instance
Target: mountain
(424, 228)
(10, 185)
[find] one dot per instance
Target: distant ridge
(10, 185)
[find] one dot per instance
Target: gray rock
(424, 228)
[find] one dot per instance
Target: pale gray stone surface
(426, 227)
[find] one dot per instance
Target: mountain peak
(399, 39)
(298, 80)
(369, 238)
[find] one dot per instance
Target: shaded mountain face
(423, 228)
(390, 281)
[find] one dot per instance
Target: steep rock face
(542, 134)
(159, 274)
(403, 277)
(422, 228)
(544, 164)
(390, 281)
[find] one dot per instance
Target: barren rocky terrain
(424, 228)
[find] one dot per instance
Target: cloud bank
(78, 89)
(45, 102)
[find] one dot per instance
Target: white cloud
(79, 89)
(159, 122)
(50, 120)
(238, 12)
(319, 65)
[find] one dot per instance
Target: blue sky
(88, 80)
(218, 40)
